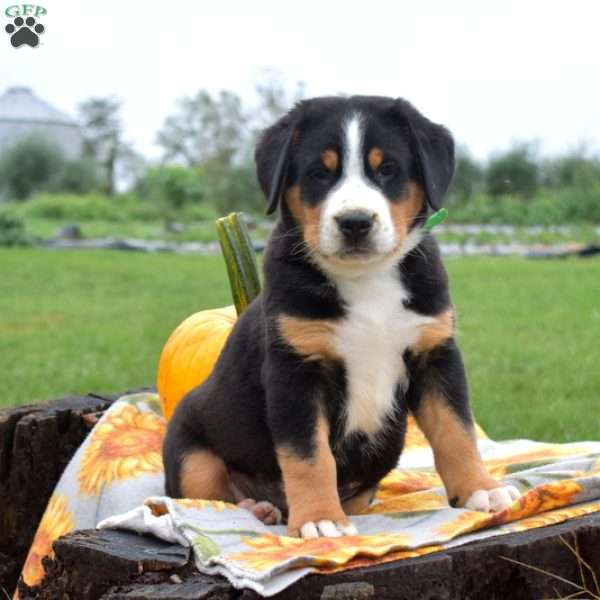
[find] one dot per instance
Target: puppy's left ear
(272, 157)
(433, 148)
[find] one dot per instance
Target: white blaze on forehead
(355, 191)
(353, 147)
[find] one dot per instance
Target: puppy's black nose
(355, 224)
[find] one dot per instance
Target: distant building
(23, 113)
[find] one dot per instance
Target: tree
(468, 177)
(103, 135)
(274, 99)
(234, 188)
(78, 177)
(30, 165)
(575, 169)
(218, 134)
(172, 186)
(205, 130)
(515, 172)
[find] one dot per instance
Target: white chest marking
(372, 339)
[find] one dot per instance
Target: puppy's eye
(388, 169)
(319, 172)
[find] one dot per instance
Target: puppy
(305, 410)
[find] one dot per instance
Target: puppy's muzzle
(355, 226)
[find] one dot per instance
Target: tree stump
(36, 443)
(119, 565)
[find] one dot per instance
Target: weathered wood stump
(116, 565)
(36, 443)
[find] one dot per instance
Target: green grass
(74, 322)
(529, 332)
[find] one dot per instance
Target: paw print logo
(24, 32)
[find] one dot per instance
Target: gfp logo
(24, 29)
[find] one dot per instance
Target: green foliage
(515, 172)
(36, 164)
(31, 164)
(203, 192)
(88, 208)
(72, 208)
(573, 170)
(468, 177)
(522, 190)
(234, 189)
(172, 186)
(78, 177)
(12, 230)
(125, 215)
(201, 212)
(574, 205)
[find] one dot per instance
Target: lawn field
(75, 322)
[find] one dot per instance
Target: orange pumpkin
(193, 348)
(191, 353)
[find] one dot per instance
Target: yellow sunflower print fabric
(116, 480)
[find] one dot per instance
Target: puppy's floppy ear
(272, 157)
(433, 148)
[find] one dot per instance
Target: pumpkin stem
(240, 260)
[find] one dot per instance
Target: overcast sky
(495, 72)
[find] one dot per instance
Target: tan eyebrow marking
(375, 158)
(330, 159)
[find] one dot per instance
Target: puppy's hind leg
(204, 475)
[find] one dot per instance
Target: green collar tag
(435, 219)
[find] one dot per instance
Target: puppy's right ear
(272, 157)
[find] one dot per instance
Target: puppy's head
(357, 175)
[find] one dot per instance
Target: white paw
(312, 530)
(493, 500)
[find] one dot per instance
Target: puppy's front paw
(324, 521)
(493, 500)
(312, 529)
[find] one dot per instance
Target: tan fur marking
(455, 451)
(204, 475)
(308, 217)
(330, 159)
(405, 211)
(434, 334)
(311, 338)
(311, 485)
(294, 203)
(375, 158)
(356, 505)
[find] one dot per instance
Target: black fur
(261, 394)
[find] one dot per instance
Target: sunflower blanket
(115, 479)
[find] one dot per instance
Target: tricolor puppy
(306, 408)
